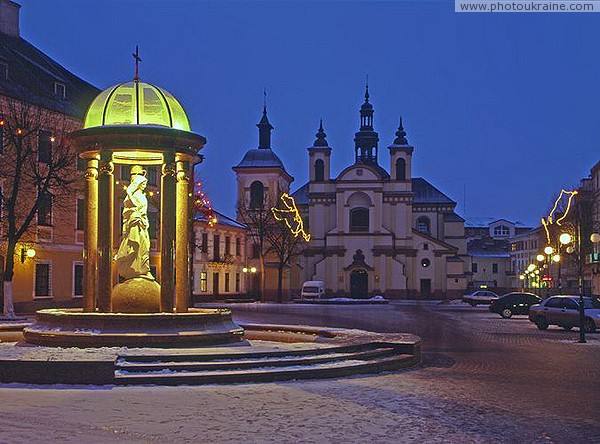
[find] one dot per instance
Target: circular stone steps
(260, 367)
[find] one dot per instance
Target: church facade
(378, 232)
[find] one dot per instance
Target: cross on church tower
(137, 62)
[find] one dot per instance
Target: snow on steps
(260, 367)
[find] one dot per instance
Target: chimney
(9, 18)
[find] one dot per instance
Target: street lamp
(27, 253)
(566, 238)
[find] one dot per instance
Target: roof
(485, 222)
(221, 220)
(260, 158)
(301, 195)
(136, 103)
(32, 76)
(452, 217)
(488, 248)
(425, 193)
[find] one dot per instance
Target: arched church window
(401, 169)
(257, 196)
(424, 225)
(319, 170)
(359, 219)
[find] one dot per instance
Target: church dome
(136, 103)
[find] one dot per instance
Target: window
(494, 268)
(257, 196)
(359, 219)
(42, 280)
(423, 225)
(226, 282)
(319, 170)
(501, 230)
(80, 214)
(238, 246)
(474, 267)
(401, 169)
(203, 282)
(255, 251)
(153, 224)
(216, 252)
(78, 280)
(60, 90)
(204, 244)
(237, 282)
(425, 246)
(45, 147)
(227, 245)
(44, 212)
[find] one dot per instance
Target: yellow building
(40, 103)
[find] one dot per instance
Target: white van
(313, 289)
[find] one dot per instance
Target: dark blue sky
(503, 109)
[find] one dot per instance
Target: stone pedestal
(137, 295)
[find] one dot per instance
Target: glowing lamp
(522, 277)
(595, 237)
(548, 250)
(27, 253)
(245, 270)
(253, 270)
(556, 258)
(540, 257)
(565, 238)
(531, 267)
(570, 249)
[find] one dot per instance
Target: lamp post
(252, 271)
(574, 245)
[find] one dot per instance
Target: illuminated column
(182, 271)
(105, 231)
(168, 210)
(90, 241)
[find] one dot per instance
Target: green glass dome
(136, 103)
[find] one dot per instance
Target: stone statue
(133, 257)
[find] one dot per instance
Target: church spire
(366, 139)
(264, 130)
(400, 135)
(321, 136)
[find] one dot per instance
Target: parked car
(514, 303)
(480, 297)
(563, 311)
(313, 289)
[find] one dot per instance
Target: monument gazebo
(140, 125)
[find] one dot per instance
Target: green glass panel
(180, 120)
(120, 108)
(119, 105)
(96, 109)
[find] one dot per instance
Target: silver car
(564, 312)
(480, 297)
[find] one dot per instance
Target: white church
(373, 232)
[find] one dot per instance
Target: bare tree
(284, 245)
(37, 169)
(260, 222)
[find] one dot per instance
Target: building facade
(379, 232)
(40, 103)
(220, 266)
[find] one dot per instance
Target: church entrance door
(359, 284)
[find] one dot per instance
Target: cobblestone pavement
(483, 379)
